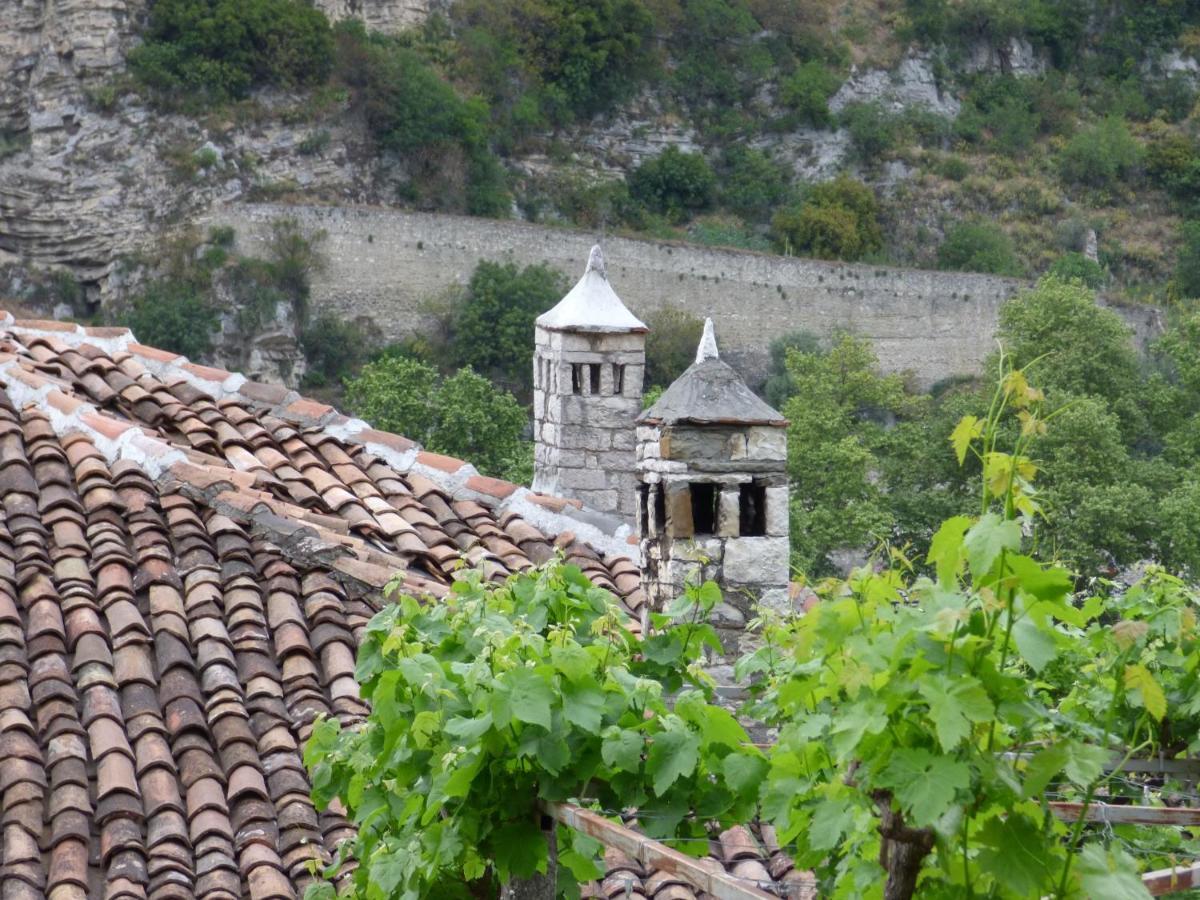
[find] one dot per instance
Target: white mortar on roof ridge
(110, 345)
(450, 482)
(346, 430)
(401, 461)
(22, 395)
(132, 444)
(552, 524)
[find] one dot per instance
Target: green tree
(175, 315)
(463, 415)
(674, 183)
(1084, 349)
(837, 412)
(839, 219)
(1102, 155)
(978, 247)
(752, 183)
(670, 344)
(492, 324)
(217, 50)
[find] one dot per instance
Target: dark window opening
(704, 508)
(618, 379)
(576, 378)
(594, 377)
(643, 509)
(660, 508)
(752, 510)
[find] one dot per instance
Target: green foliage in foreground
(928, 708)
(503, 695)
(462, 415)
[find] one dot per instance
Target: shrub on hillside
(752, 183)
(806, 93)
(1077, 267)
(872, 130)
(674, 183)
(217, 50)
(1187, 265)
(978, 247)
(415, 113)
(1101, 156)
(838, 220)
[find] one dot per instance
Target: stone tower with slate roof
(713, 492)
(588, 363)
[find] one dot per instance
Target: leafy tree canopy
(463, 415)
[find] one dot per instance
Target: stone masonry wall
(584, 442)
(383, 262)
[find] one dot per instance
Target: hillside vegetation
(1044, 120)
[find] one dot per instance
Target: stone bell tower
(713, 490)
(588, 363)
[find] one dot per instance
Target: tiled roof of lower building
(187, 563)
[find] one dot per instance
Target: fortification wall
(382, 263)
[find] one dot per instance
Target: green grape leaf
(968, 429)
(744, 772)
(583, 704)
(1045, 764)
(987, 539)
(1013, 849)
(387, 869)
(622, 749)
(831, 819)
(946, 549)
(1111, 875)
(573, 661)
(1036, 645)
(1085, 762)
(865, 717)
(529, 696)
(924, 784)
(673, 755)
(519, 849)
(954, 705)
(1140, 682)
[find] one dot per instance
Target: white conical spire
(592, 305)
(708, 343)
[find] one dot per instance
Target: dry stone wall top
(383, 263)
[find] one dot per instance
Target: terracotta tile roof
(187, 563)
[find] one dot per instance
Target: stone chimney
(713, 491)
(588, 364)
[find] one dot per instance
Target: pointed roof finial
(708, 343)
(592, 305)
(595, 262)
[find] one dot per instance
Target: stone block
(602, 501)
(623, 439)
(679, 511)
(585, 437)
(757, 561)
(549, 433)
(583, 479)
(696, 444)
(778, 512)
(728, 514)
(539, 404)
(737, 445)
(647, 433)
(767, 443)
